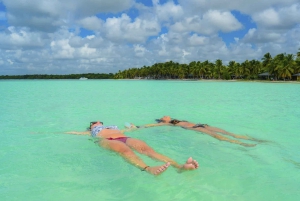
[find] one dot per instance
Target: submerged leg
(233, 135)
(143, 148)
(214, 129)
(221, 137)
(131, 157)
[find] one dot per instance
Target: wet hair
(158, 120)
(92, 123)
(174, 121)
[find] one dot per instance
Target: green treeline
(281, 67)
(71, 76)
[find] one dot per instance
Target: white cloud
(224, 21)
(48, 16)
(87, 52)
(268, 17)
(262, 36)
(282, 18)
(196, 40)
(91, 23)
(90, 37)
(123, 29)
(211, 22)
(169, 11)
(92, 7)
(20, 39)
(139, 50)
(244, 6)
(62, 50)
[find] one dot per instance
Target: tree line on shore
(70, 76)
(281, 67)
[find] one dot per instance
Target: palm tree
(286, 67)
(298, 54)
(267, 59)
(239, 71)
(297, 66)
(268, 63)
(232, 69)
(202, 70)
(218, 67)
(276, 65)
(246, 69)
(210, 70)
(193, 68)
(181, 71)
(282, 66)
(255, 68)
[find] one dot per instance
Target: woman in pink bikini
(114, 139)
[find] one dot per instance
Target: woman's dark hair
(174, 121)
(92, 123)
(158, 120)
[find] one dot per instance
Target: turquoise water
(39, 162)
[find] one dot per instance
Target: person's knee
(126, 152)
(149, 151)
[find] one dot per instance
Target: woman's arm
(154, 125)
(133, 127)
(78, 133)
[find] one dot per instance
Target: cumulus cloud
(49, 16)
(211, 22)
(280, 18)
(244, 6)
(196, 40)
(139, 50)
(15, 38)
(123, 29)
(262, 36)
(224, 21)
(91, 23)
(168, 11)
(42, 36)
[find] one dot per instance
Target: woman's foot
(158, 169)
(190, 164)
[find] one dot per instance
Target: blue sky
(99, 36)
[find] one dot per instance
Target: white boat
(83, 78)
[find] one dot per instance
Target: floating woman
(115, 140)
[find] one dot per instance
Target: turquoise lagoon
(39, 162)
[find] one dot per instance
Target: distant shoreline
(189, 80)
(218, 80)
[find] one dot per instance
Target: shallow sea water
(39, 162)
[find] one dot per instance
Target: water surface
(39, 162)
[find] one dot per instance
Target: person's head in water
(165, 119)
(94, 123)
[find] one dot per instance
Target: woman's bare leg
(143, 148)
(131, 157)
(222, 138)
(234, 135)
(215, 129)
